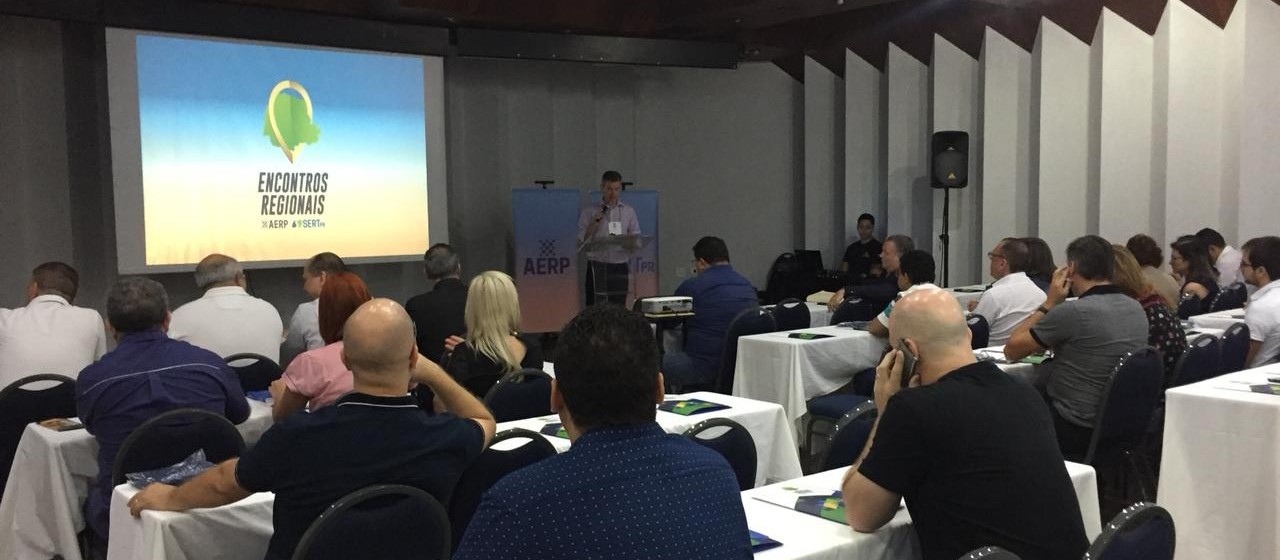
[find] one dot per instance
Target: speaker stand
(945, 238)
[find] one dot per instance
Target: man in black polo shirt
(971, 449)
(373, 435)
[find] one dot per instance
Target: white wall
(1008, 209)
(823, 162)
(1063, 158)
(1259, 148)
(906, 157)
(1124, 149)
(957, 105)
(864, 143)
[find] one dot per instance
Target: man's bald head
(378, 339)
(217, 270)
(933, 320)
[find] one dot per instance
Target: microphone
(604, 209)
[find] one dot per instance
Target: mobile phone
(908, 362)
(61, 424)
(808, 335)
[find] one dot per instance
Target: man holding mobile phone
(971, 449)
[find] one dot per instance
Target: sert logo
(288, 122)
(548, 260)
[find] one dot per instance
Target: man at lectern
(607, 271)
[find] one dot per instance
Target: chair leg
(1142, 473)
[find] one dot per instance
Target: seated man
(304, 325)
(1261, 267)
(625, 489)
(1013, 296)
(438, 314)
(915, 272)
(1225, 258)
(148, 373)
(880, 291)
(971, 449)
(719, 294)
(1088, 337)
(227, 320)
(373, 435)
(49, 335)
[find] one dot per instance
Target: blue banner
(546, 267)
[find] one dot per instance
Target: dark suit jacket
(438, 315)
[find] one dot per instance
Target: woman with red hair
(317, 378)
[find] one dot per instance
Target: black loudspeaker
(950, 160)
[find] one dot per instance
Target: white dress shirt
(49, 335)
(1009, 300)
(304, 331)
(1263, 317)
(1228, 266)
(619, 219)
(229, 321)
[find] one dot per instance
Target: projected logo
(288, 122)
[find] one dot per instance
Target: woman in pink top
(318, 377)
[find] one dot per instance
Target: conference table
(1220, 470)
(1218, 320)
(243, 529)
(807, 537)
(50, 480)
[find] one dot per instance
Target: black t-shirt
(477, 372)
(861, 257)
(312, 460)
(437, 315)
(977, 460)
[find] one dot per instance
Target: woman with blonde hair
(493, 346)
(1164, 330)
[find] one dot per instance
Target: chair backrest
(791, 314)
(734, 442)
(256, 372)
(1189, 305)
(980, 328)
(171, 437)
(854, 309)
(520, 394)
(786, 279)
(383, 521)
(750, 321)
(990, 553)
(1143, 531)
(1230, 297)
(1202, 360)
(1129, 399)
(20, 405)
(846, 441)
(1235, 347)
(488, 469)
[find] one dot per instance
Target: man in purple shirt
(719, 293)
(147, 374)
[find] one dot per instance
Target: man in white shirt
(1013, 296)
(608, 267)
(49, 335)
(1225, 257)
(227, 320)
(304, 326)
(1261, 267)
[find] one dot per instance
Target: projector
(670, 304)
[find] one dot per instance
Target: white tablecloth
(789, 371)
(806, 537)
(52, 472)
(1220, 473)
(1220, 320)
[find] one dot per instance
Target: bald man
(374, 435)
(971, 449)
(227, 320)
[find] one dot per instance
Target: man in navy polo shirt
(719, 293)
(148, 373)
(374, 435)
(625, 489)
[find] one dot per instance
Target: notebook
(687, 407)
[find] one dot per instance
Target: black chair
(520, 394)
(1188, 306)
(171, 437)
(854, 309)
(786, 279)
(1202, 360)
(1129, 401)
(845, 443)
(256, 372)
(827, 409)
(980, 329)
(20, 406)
(791, 314)
(387, 521)
(488, 469)
(1230, 297)
(750, 321)
(1142, 531)
(1235, 348)
(734, 443)
(990, 553)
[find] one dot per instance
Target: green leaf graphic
(291, 116)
